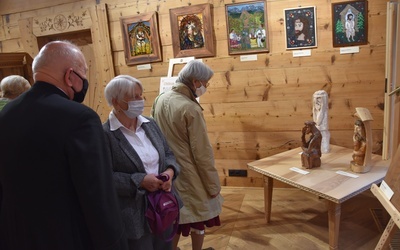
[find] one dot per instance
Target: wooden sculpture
(311, 155)
(320, 117)
(362, 139)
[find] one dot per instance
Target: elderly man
(56, 186)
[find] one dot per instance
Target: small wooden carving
(362, 140)
(359, 142)
(311, 155)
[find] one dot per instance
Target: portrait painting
(192, 33)
(247, 27)
(141, 39)
(349, 23)
(300, 27)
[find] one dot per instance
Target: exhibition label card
(298, 170)
(347, 174)
(386, 190)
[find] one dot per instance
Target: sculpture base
(359, 169)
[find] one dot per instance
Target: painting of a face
(140, 35)
(350, 17)
(298, 26)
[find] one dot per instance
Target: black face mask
(80, 96)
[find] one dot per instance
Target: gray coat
(129, 171)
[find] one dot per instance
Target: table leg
(268, 184)
(334, 211)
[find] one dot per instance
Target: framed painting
(300, 27)
(141, 39)
(350, 23)
(192, 33)
(246, 25)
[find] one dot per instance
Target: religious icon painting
(349, 23)
(300, 27)
(141, 39)
(246, 25)
(192, 33)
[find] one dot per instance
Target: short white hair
(194, 70)
(119, 86)
(13, 85)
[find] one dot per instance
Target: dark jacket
(129, 172)
(56, 184)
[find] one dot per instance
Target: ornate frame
(192, 33)
(141, 39)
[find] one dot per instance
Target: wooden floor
(299, 221)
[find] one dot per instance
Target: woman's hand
(169, 173)
(151, 183)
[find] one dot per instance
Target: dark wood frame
(155, 54)
(245, 44)
(207, 49)
(339, 36)
(308, 16)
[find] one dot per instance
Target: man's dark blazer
(56, 183)
(129, 172)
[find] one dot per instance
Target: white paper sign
(347, 174)
(349, 50)
(299, 53)
(298, 170)
(386, 190)
(143, 66)
(248, 58)
(166, 83)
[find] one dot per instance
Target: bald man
(56, 185)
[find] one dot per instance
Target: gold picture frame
(192, 33)
(141, 38)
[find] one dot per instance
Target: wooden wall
(253, 109)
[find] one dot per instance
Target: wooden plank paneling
(14, 6)
(253, 109)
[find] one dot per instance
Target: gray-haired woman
(180, 117)
(139, 154)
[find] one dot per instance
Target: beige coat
(180, 117)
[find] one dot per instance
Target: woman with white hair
(139, 154)
(11, 87)
(180, 117)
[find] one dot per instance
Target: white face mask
(135, 108)
(200, 91)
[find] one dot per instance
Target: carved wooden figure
(359, 143)
(362, 139)
(320, 117)
(311, 155)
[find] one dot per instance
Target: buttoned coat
(129, 172)
(180, 117)
(56, 184)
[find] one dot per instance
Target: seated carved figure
(311, 155)
(359, 141)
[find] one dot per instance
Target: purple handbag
(162, 211)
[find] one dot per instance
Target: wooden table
(324, 181)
